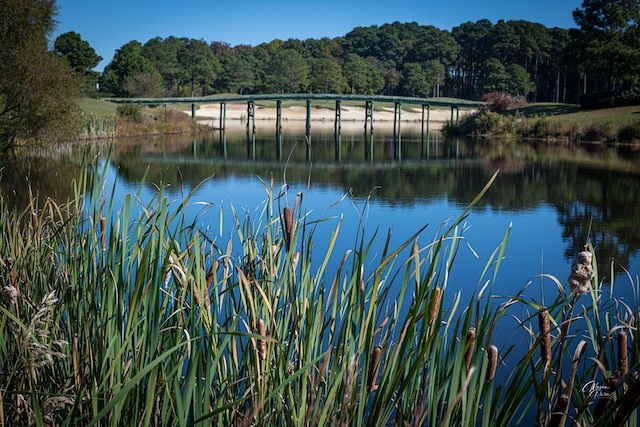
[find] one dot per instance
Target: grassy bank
(128, 315)
(557, 122)
(103, 120)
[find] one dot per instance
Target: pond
(553, 198)
(550, 199)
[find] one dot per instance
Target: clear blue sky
(109, 25)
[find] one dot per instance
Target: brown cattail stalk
(103, 233)
(623, 364)
(545, 335)
(374, 368)
(559, 411)
(435, 305)
(36, 228)
(76, 360)
(492, 355)
(288, 226)
(262, 344)
(470, 344)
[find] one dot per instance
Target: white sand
(236, 115)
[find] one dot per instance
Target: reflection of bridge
(398, 101)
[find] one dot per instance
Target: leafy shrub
(131, 111)
(499, 102)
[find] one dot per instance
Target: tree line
(515, 57)
(40, 81)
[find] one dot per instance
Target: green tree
(415, 81)
(80, 56)
(288, 71)
(609, 38)
(362, 74)
(326, 76)
(127, 64)
(497, 78)
(520, 82)
(78, 53)
(199, 64)
(38, 90)
(163, 56)
(436, 73)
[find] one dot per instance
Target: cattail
(623, 366)
(492, 354)
(545, 335)
(36, 228)
(288, 226)
(103, 233)
(471, 344)
(76, 360)
(581, 274)
(262, 344)
(560, 411)
(374, 368)
(435, 305)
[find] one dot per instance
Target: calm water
(553, 198)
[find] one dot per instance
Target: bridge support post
(251, 130)
(397, 134)
(279, 129)
(193, 111)
(368, 137)
(455, 107)
(307, 133)
(223, 115)
(422, 137)
(337, 130)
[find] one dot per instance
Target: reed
(128, 315)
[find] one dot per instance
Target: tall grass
(128, 315)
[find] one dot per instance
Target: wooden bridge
(398, 101)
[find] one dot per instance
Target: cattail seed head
(470, 344)
(545, 335)
(288, 226)
(623, 364)
(262, 344)
(492, 355)
(581, 273)
(435, 305)
(374, 368)
(103, 233)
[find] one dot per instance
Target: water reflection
(582, 192)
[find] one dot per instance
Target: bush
(131, 111)
(499, 102)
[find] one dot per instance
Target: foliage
(183, 325)
(500, 102)
(611, 99)
(607, 42)
(37, 89)
(81, 57)
(131, 111)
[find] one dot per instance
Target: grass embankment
(127, 315)
(557, 122)
(103, 119)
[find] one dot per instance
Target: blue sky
(109, 25)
